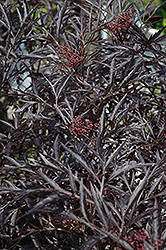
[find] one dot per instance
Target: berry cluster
(73, 57)
(120, 25)
(158, 243)
(138, 241)
(82, 127)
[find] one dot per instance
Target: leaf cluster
(94, 190)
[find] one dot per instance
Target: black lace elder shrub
(83, 163)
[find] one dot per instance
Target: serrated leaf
(136, 193)
(117, 107)
(47, 162)
(82, 200)
(63, 85)
(98, 206)
(50, 181)
(114, 154)
(129, 76)
(70, 108)
(156, 221)
(114, 210)
(60, 113)
(81, 160)
(155, 184)
(127, 167)
(13, 221)
(140, 216)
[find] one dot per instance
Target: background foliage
(82, 159)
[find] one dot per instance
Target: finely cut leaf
(13, 221)
(43, 202)
(155, 184)
(47, 162)
(82, 200)
(114, 154)
(127, 167)
(60, 113)
(137, 192)
(117, 107)
(98, 206)
(52, 182)
(81, 160)
(156, 221)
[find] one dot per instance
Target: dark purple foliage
(83, 159)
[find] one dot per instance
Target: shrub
(83, 160)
